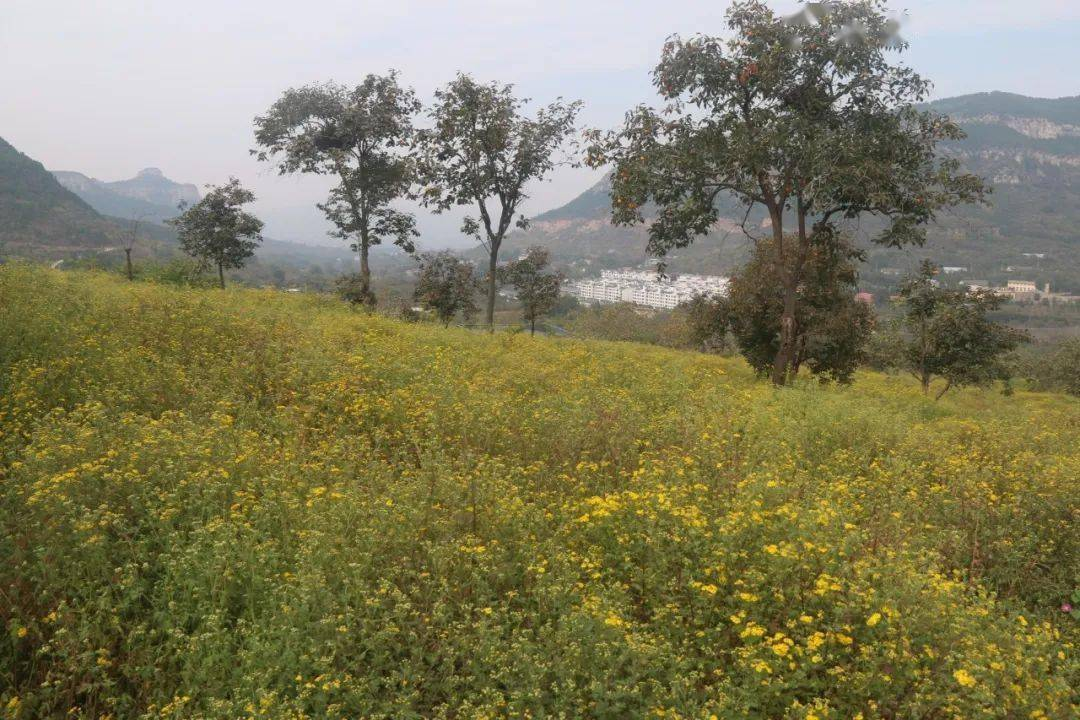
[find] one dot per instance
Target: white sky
(107, 87)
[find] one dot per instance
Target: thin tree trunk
(924, 374)
(221, 275)
(787, 317)
(130, 274)
(948, 384)
(365, 274)
(493, 264)
(532, 327)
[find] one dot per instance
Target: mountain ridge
(147, 196)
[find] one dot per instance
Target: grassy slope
(233, 503)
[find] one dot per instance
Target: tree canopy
(537, 287)
(360, 135)
(806, 117)
(446, 286)
(947, 333)
(482, 150)
(831, 326)
(217, 231)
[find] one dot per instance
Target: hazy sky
(107, 87)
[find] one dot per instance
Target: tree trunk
(924, 350)
(948, 384)
(787, 316)
(785, 364)
(797, 357)
(493, 264)
(127, 253)
(221, 275)
(365, 275)
(786, 354)
(532, 327)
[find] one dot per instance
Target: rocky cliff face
(1037, 128)
(149, 195)
(152, 186)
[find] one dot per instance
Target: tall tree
(537, 287)
(447, 286)
(358, 135)
(804, 117)
(217, 231)
(948, 335)
(482, 151)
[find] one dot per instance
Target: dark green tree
(447, 286)
(482, 151)
(1056, 367)
(537, 287)
(947, 334)
(831, 326)
(360, 136)
(805, 118)
(706, 321)
(216, 231)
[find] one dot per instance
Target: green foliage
(217, 231)
(629, 323)
(259, 504)
(482, 151)
(356, 134)
(708, 321)
(537, 288)
(353, 290)
(447, 286)
(807, 119)
(181, 272)
(831, 326)
(950, 336)
(1054, 368)
(37, 213)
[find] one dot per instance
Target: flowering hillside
(225, 504)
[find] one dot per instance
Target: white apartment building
(642, 287)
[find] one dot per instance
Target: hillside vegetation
(33, 205)
(245, 504)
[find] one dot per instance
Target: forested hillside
(40, 218)
(242, 503)
(36, 211)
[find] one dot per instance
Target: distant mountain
(64, 215)
(39, 215)
(1028, 148)
(149, 195)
